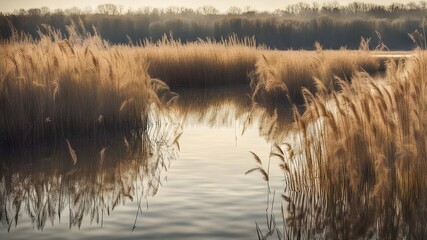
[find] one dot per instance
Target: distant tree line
(298, 26)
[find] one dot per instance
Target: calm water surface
(198, 190)
(184, 178)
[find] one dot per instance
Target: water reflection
(320, 212)
(43, 185)
(85, 179)
(223, 106)
(213, 106)
(47, 184)
(310, 215)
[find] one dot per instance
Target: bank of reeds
(356, 165)
(201, 63)
(234, 61)
(280, 76)
(75, 86)
(81, 85)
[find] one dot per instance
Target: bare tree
(34, 11)
(207, 10)
(233, 10)
(44, 11)
(110, 9)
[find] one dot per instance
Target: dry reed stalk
(372, 147)
(72, 81)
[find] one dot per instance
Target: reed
(75, 86)
(81, 85)
(361, 158)
(201, 63)
(281, 76)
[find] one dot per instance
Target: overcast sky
(223, 5)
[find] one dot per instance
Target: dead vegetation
(355, 164)
(75, 86)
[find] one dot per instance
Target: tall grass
(75, 86)
(233, 60)
(80, 122)
(356, 165)
(280, 76)
(83, 86)
(201, 63)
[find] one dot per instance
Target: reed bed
(356, 165)
(75, 86)
(80, 85)
(240, 61)
(280, 76)
(203, 62)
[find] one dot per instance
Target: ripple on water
(206, 195)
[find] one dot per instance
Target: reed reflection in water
(206, 194)
(82, 181)
(223, 106)
(213, 106)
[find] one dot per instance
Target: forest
(297, 26)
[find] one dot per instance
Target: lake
(184, 177)
(191, 188)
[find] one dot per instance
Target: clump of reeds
(201, 63)
(360, 155)
(280, 76)
(74, 86)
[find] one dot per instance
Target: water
(184, 178)
(207, 194)
(197, 190)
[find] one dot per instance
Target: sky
(222, 5)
